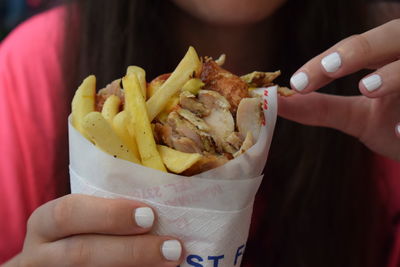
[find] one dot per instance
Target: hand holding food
(195, 119)
(78, 230)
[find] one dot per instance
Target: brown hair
(321, 203)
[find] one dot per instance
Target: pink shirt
(30, 84)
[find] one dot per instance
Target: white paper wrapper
(209, 212)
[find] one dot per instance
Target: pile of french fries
(127, 134)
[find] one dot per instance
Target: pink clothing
(30, 84)
(30, 74)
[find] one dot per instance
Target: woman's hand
(373, 117)
(78, 230)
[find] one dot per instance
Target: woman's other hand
(373, 117)
(79, 230)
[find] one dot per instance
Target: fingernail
(171, 250)
(372, 82)
(331, 62)
(144, 217)
(299, 81)
(398, 129)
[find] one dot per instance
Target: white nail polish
(372, 82)
(171, 250)
(144, 217)
(299, 81)
(331, 62)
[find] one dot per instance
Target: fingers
(80, 214)
(350, 55)
(397, 130)
(103, 250)
(318, 109)
(382, 82)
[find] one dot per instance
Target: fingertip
(397, 130)
(300, 82)
(172, 250)
(144, 217)
(331, 64)
(371, 85)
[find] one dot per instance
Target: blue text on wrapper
(199, 261)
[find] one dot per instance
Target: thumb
(343, 113)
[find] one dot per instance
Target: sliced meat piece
(222, 81)
(189, 101)
(260, 79)
(221, 123)
(193, 119)
(163, 134)
(185, 144)
(113, 88)
(235, 140)
(183, 127)
(220, 119)
(249, 117)
(206, 163)
(247, 143)
(211, 99)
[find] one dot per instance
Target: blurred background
(13, 12)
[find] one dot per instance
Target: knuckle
(62, 212)
(363, 45)
(395, 23)
(30, 225)
(110, 222)
(132, 251)
(77, 252)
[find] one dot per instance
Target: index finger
(80, 214)
(365, 50)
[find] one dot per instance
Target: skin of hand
(79, 230)
(374, 116)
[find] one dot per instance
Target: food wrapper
(210, 212)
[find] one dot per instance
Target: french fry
(177, 161)
(119, 124)
(102, 134)
(189, 65)
(83, 102)
(136, 108)
(111, 108)
(156, 83)
(141, 75)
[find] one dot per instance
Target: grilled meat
(222, 81)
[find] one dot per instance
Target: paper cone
(209, 212)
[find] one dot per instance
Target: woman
(326, 201)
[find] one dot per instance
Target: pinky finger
(383, 82)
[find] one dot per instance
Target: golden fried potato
(156, 83)
(111, 108)
(103, 136)
(193, 86)
(135, 105)
(83, 102)
(119, 123)
(284, 91)
(141, 75)
(189, 67)
(177, 161)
